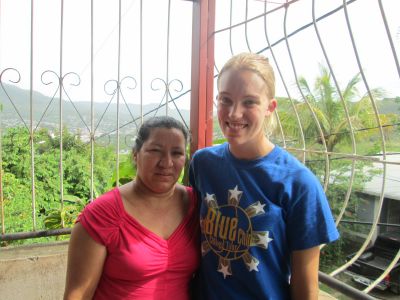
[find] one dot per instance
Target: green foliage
(339, 115)
(332, 256)
(126, 171)
(327, 107)
(67, 215)
(19, 196)
(18, 209)
(219, 141)
(340, 169)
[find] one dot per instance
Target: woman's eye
(249, 102)
(178, 153)
(225, 100)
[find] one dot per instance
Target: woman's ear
(271, 107)
(134, 156)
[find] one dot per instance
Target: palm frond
(305, 89)
(351, 88)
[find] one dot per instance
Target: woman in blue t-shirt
(263, 214)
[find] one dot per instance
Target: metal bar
(347, 155)
(210, 72)
(392, 47)
(54, 232)
(141, 62)
(167, 68)
(343, 288)
(61, 78)
(284, 5)
(245, 26)
(353, 139)
(282, 134)
(381, 198)
(230, 27)
(118, 90)
(304, 26)
(91, 104)
(317, 122)
(285, 87)
(370, 223)
(31, 128)
(34, 234)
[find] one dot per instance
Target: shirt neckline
(250, 162)
(143, 228)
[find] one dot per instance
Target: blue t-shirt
(254, 213)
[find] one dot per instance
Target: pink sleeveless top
(139, 263)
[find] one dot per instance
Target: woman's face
(160, 160)
(242, 106)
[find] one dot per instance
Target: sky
(15, 52)
(15, 48)
(368, 31)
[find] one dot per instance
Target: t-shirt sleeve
(310, 220)
(101, 218)
(192, 177)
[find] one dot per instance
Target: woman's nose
(235, 111)
(166, 160)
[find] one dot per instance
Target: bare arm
(304, 279)
(85, 265)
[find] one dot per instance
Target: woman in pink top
(139, 241)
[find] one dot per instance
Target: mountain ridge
(76, 114)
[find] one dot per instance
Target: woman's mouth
(236, 126)
(163, 174)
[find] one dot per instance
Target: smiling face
(243, 105)
(160, 160)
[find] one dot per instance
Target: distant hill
(389, 105)
(385, 106)
(104, 117)
(46, 111)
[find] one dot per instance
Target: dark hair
(158, 122)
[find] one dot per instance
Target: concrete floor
(325, 296)
(38, 272)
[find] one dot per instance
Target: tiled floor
(325, 296)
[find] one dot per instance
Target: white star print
(253, 265)
(254, 238)
(259, 207)
(235, 193)
(264, 239)
(224, 270)
(209, 198)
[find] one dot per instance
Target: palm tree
(329, 107)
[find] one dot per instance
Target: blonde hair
(260, 65)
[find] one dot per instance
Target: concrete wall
(33, 272)
(38, 272)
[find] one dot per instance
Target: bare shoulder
(182, 190)
(183, 193)
(126, 189)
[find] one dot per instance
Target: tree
(329, 108)
(337, 113)
(17, 183)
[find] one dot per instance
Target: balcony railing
(93, 71)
